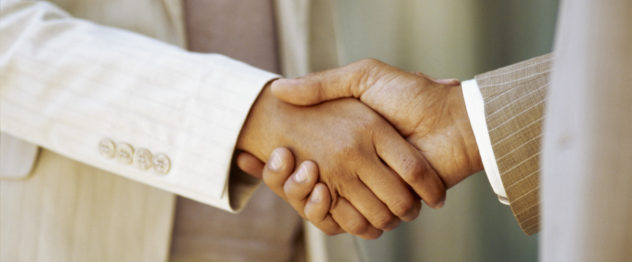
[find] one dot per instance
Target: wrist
(257, 129)
(461, 120)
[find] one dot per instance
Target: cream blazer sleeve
(125, 103)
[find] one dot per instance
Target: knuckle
(292, 190)
(364, 66)
(346, 152)
(314, 214)
(369, 62)
(434, 198)
(334, 195)
(330, 231)
(357, 227)
(372, 236)
(372, 233)
(414, 171)
(383, 220)
(403, 206)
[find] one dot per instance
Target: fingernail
(317, 196)
(275, 162)
(301, 174)
(282, 81)
(440, 205)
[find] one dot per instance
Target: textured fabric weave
(69, 83)
(514, 107)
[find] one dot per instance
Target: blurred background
(446, 39)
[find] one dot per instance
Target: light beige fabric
(587, 154)
(17, 157)
(68, 83)
(69, 211)
(514, 105)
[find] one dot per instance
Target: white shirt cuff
(475, 106)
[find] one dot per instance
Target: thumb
(346, 81)
(300, 91)
(309, 90)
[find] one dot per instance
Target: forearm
(67, 83)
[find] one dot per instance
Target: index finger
(411, 166)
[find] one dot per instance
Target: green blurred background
(449, 39)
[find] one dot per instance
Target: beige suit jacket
(81, 91)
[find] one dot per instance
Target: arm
(169, 118)
(67, 84)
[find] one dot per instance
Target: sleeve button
(107, 148)
(162, 163)
(142, 159)
(124, 153)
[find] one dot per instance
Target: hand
(430, 114)
(349, 141)
(301, 189)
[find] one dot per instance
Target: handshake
(355, 149)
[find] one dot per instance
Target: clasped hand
(359, 173)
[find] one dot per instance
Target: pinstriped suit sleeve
(66, 84)
(514, 98)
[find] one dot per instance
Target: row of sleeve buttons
(141, 158)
